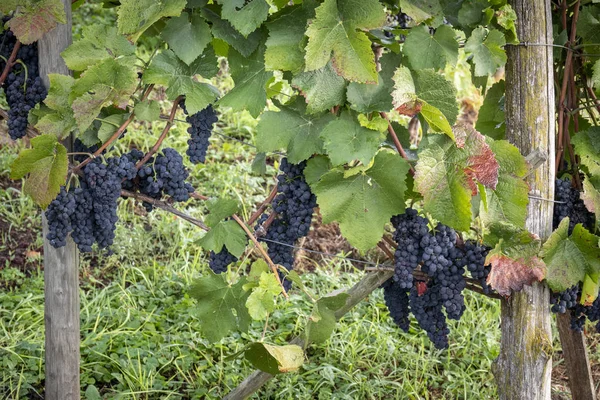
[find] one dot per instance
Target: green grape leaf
(588, 27)
(109, 125)
(508, 201)
(322, 88)
(98, 43)
(571, 258)
(365, 98)
(33, 19)
(334, 32)
(58, 120)
(147, 110)
(506, 17)
(262, 300)
(286, 42)
(259, 164)
(490, 120)
(432, 88)
(346, 140)
(223, 30)
(187, 36)
(514, 258)
(422, 10)
(219, 209)
(250, 77)
(292, 129)
(217, 301)
(596, 75)
(46, 165)
(431, 51)
(225, 233)
(365, 202)
(322, 320)
(486, 46)
(110, 82)
(274, 359)
(587, 147)
(245, 16)
(167, 69)
(472, 12)
(436, 120)
(135, 16)
(447, 175)
(316, 167)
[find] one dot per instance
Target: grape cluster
(201, 125)
(475, 254)
(397, 302)
(23, 87)
(219, 262)
(442, 262)
(570, 205)
(426, 306)
(563, 301)
(58, 215)
(294, 205)
(89, 212)
(410, 229)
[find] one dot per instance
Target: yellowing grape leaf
(33, 19)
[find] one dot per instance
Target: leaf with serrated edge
(432, 88)
(135, 16)
(250, 77)
(431, 51)
(293, 130)
(225, 233)
(223, 30)
(219, 209)
(98, 42)
(490, 120)
(316, 167)
(334, 32)
(364, 97)
(187, 36)
(322, 321)
(34, 19)
(508, 274)
(262, 300)
(46, 163)
(571, 258)
(285, 45)
(346, 140)
(244, 15)
(587, 147)
(322, 88)
(591, 195)
(487, 50)
(364, 203)
(422, 10)
(216, 302)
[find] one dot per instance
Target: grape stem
(165, 206)
(10, 63)
(261, 208)
(115, 135)
(162, 136)
(397, 143)
(262, 252)
(385, 249)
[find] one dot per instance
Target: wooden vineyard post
(61, 281)
(524, 367)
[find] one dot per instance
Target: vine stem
(563, 89)
(261, 208)
(385, 249)
(165, 206)
(397, 143)
(162, 136)
(115, 135)
(10, 62)
(262, 252)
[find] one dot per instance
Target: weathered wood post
(61, 281)
(523, 368)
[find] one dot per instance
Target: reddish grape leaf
(508, 274)
(33, 20)
(482, 165)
